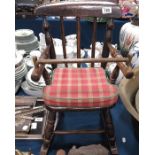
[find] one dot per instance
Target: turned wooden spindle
(49, 41)
(108, 39)
(93, 40)
(78, 38)
(46, 77)
(63, 37)
(39, 68)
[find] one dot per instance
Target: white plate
(18, 59)
(40, 83)
(17, 85)
(20, 67)
(21, 74)
(31, 92)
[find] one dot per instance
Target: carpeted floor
(123, 129)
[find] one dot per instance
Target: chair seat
(80, 88)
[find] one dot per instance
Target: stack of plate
(33, 88)
(29, 58)
(26, 40)
(20, 71)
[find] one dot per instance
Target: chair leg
(48, 132)
(109, 130)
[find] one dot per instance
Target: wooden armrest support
(127, 71)
(39, 68)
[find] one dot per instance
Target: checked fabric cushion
(80, 88)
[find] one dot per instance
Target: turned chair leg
(109, 130)
(48, 132)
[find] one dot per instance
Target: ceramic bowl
(24, 35)
(28, 46)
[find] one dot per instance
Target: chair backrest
(108, 9)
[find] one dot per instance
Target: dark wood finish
(80, 8)
(49, 41)
(93, 39)
(46, 77)
(127, 71)
(79, 132)
(78, 39)
(31, 101)
(63, 38)
(82, 60)
(25, 100)
(108, 39)
(114, 75)
(39, 69)
(109, 130)
(48, 133)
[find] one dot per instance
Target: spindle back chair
(79, 88)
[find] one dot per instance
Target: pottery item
(30, 91)
(24, 35)
(57, 42)
(26, 40)
(97, 55)
(71, 40)
(134, 52)
(129, 35)
(42, 42)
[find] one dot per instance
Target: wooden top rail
(96, 8)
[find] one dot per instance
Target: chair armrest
(39, 68)
(127, 71)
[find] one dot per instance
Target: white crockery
(36, 53)
(71, 36)
(129, 35)
(18, 58)
(57, 42)
(134, 52)
(31, 92)
(39, 84)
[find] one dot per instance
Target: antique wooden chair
(79, 89)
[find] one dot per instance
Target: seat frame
(80, 10)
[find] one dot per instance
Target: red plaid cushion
(80, 88)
